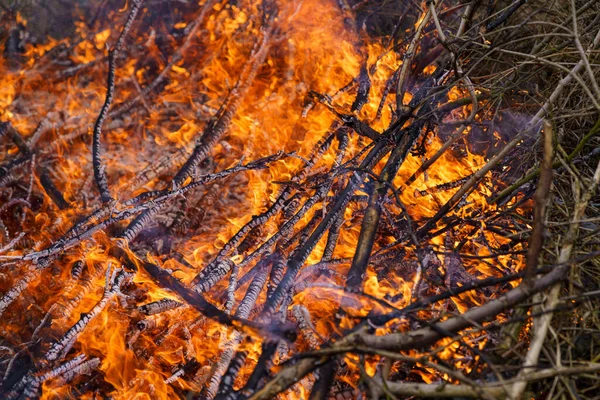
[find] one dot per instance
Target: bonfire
(294, 199)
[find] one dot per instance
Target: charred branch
(49, 187)
(159, 306)
(113, 286)
(99, 169)
(195, 299)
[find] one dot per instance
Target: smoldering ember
(299, 199)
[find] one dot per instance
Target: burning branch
(198, 302)
(99, 169)
(214, 132)
(114, 280)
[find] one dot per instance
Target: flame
(315, 51)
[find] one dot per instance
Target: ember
(302, 198)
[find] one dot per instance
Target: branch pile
(301, 199)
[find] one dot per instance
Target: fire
(140, 356)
